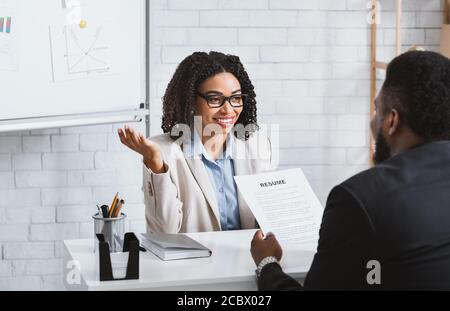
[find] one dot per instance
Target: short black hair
(179, 98)
(417, 85)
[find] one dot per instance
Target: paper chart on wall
(9, 36)
(82, 46)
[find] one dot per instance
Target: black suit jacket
(397, 213)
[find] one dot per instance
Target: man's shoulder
(366, 187)
(365, 177)
(412, 167)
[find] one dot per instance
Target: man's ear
(393, 122)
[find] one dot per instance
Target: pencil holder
(130, 248)
(113, 230)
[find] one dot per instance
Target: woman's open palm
(138, 142)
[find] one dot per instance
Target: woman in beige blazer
(211, 135)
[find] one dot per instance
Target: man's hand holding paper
(284, 204)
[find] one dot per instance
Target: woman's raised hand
(149, 150)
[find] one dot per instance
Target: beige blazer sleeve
(164, 210)
(182, 199)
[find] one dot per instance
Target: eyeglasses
(217, 101)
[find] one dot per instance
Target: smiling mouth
(225, 121)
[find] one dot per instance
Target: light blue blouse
(221, 172)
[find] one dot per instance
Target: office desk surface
(230, 266)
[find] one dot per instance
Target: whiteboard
(64, 57)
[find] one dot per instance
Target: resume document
(283, 203)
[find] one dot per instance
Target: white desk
(230, 266)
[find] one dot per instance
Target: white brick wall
(63, 143)
(309, 63)
(27, 161)
(28, 250)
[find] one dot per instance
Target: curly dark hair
(180, 96)
(418, 85)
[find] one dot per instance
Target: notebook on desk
(173, 246)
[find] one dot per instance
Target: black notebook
(173, 246)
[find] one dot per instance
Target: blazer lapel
(242, 166)
(201, 176)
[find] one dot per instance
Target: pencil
(113, 208)
(119, 206)
(113, 204)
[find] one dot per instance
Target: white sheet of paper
(283, 203)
